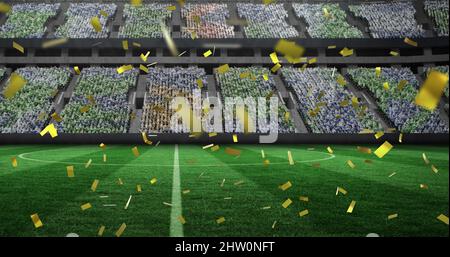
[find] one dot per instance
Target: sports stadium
(297, 118)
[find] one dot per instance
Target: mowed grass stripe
(176, 228)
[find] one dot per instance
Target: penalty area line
(176, 228)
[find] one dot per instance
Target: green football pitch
(202, 186)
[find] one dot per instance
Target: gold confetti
(332, 47)
(351, 206)
(54, 42)
(102, 146)
(286, 203)
(443, 218)
(56, 117)
(341, 190)
(4, 7)
(86, 206)
(153, 181)
(223, 68)
(346, 52)
(266, 163)
(207, 146)
(85, 108)
(187, 191)
(220, 220)
(274, 58)
(235, 138)
(351, 164)
(431, 91)
(341, 80)
(303, 213)
(103, 13)
(124, 68)
(169, 41)
(265, 77)
(379, 134)
(104, 157)
(425, 159)
(145, 57)
(171, 8)
(212, 134)
(392, 216)
(77, 70)
(291, 160)
(88, 164)
(275, 67)
(273, 225)
(364, 150)
(392, 174)
(330, 150)
(207, 53)
(181, 219)
(289, 49)
(304, 198)
(215, 148)
(16, 82)
(119, 181)
(386, 85)
(101, 230)
(286, 186)
(199, 83)
(18, 47)
(94, 185)
(410, 42)
(138, 188)
(400, 138)
(37, 221)
(95, 22)
(144, 137)
(378, 71)
(70, 172)
(312, 60)
(383, 149)
(135, 151)
(14, 162)
(423, 186)
(143, 68)
(267, 2)
(393, 53)
(434, 169)
(223, 182)
(240, 182)
(121, 229)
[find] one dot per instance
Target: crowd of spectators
(438, 11)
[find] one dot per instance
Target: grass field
(240, 189)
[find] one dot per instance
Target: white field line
(176, 228)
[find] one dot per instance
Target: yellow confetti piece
(145, 57)
(312, 60)
(331, 47)
(146, 140)
(18, 47)
(346, 52)
(351, 164)
(77, 70)
(85, 109)
(423, 186)
(14, 162)
(212, 134)
(379, 134)
(136, 3)
(103, 13)
(187, 191)
(101, 230)
(235, 139)
(124, 68)
(291, 160)
(153, 181)
(266, 77)
(431, 91)
(383, 149)
(330, 150)
(386, 86)
(304, 198)
(393, 53)
(207, 53)
(351, 206)
(138, 188)
(88, 164)
(95, 22)
(54, 42)
(215, 148)
(400, 138)
(143, 68)
(94, 185)
(273, 225)
(102, 146)
(341, 80)
(434, 169)
(181, 219)
(392, 174)
(56, 117)
(286, 203)
(267, 2)
(125, 45)
(119, 181)
(223, 68)
(392, 216)
(135, 151)
(410, 42)
(303, 67)
(207, 146)
(86, 206)
(276, 67)
(70, 172)
(104, 157)
(16, 83)
(266, 163)
(443, 218)
(378, 71)
(263, 155)
(289, 49)
(303, 213)
(364, 150)
(286, 186)
(341, 190)
(121, 229)
(4, 7)
(171, 8)
(220, 220)
(273, 56)
(36, 220)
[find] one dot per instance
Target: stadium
(342, 130)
